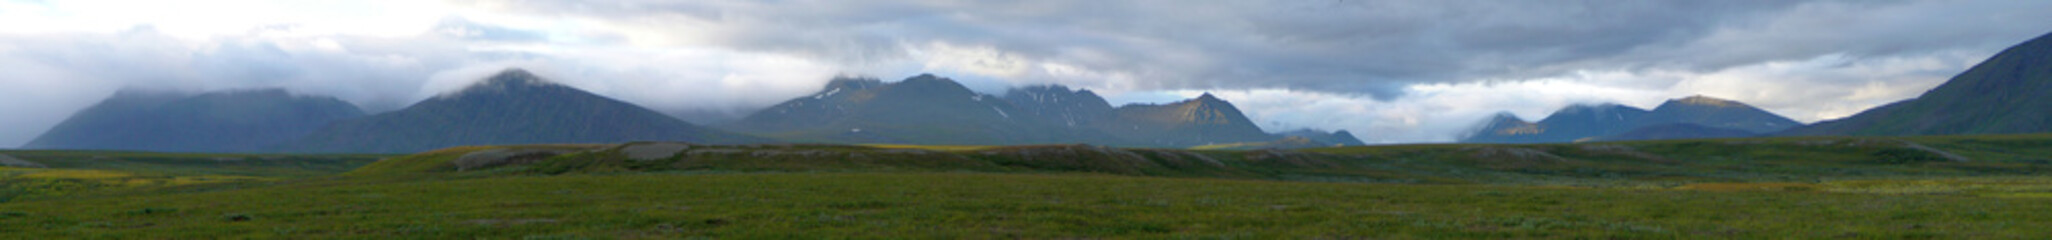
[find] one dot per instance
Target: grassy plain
(1865, 188)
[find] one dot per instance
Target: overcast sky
(1388, 71)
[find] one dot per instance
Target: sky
(1388, 71)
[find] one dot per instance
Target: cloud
(1372, 47)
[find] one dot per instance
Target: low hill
(1677, 131)
(1723, 160)
(1330, 139)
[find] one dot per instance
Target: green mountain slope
(2011, 92)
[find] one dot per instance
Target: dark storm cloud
(1366, 46)
(1362, 46)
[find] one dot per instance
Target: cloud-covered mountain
(926, 109)
(512, 107)
(232, 121)
(2010, 92)
(1684, 118)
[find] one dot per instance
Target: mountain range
(2005, 94)
(1684, 118)
(927, 109)
(512, 107)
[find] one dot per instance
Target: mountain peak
(1708, 101)
(515, 77)
(852, 83)
(929, 80)
(1207, 97)
(1505, 117)
(1502, 124)
(510, 80)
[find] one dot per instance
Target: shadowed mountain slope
(2010, 92)
(232, 121)
(513, 107)
(926, 109)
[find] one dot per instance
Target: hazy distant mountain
(926, 109)
(1199, 121)
(1572, 123)
(1612, 121)
(2010, 92)
(513, 107)
(233, 121)
(1505, 127)
(1341, 137)
(1584, 120)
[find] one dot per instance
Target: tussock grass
(945, 205)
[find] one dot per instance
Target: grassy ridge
(1662, 163)
(78, 172)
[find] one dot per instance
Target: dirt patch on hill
(653, 151)
(10, 161)
(505, 156)
(1512, 157)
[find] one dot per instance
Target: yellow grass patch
(76, 174)
(1749, 187)
(945, 148)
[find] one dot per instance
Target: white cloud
(1821, 88)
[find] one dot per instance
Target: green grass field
(1864, 188)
